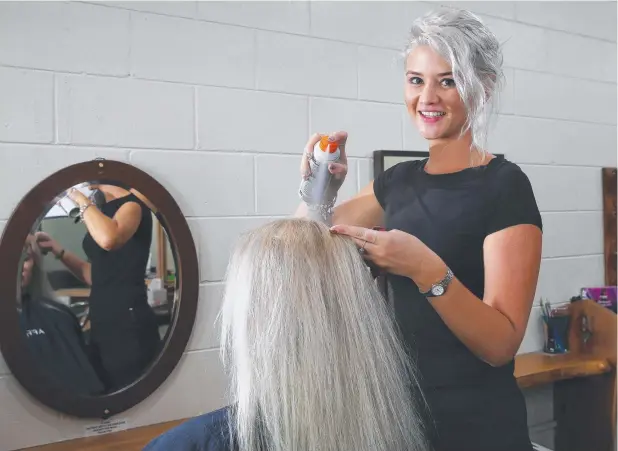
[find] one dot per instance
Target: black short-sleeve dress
(124, 336)
(472, 405)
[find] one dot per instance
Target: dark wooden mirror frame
(12, 342)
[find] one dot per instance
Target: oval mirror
(99, 288)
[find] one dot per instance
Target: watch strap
(439, 288)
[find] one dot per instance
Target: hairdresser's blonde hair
(476, 58)
(315, 358)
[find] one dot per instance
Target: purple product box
(604, 296)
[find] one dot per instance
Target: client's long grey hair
(315, 358)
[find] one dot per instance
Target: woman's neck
(447, 156)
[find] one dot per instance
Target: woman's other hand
(47, 244)
(78, 197)
(394, 251)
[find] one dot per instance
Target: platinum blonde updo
(475, 56)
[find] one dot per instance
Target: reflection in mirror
(97, 288)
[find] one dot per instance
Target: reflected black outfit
(124, 336)
(473, 406)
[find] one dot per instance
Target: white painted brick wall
(555, 142)
(545, 95)
(65, 37)
(27, 114)
(380, 75)
(124, 112)
(573, 17)
(290, 17)
(378, 24)
(321, 68)
(254, 121)
(525, 46)
(214, 238)
(272, 172)
(216, 100)
(189, 51)
(207, 327)
(371, 126)
(178, 9)
(201, 181)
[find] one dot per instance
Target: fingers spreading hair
(367, 235)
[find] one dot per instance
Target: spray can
(315, 189)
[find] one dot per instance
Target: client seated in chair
(52, 331)
(313, 354)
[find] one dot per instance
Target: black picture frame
(379, 157)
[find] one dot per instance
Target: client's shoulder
(207, 432)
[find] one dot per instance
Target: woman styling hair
(124, 333)
(315, 359)
(463, 237)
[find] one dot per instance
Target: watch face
(437, 290)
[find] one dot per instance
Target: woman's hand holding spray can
(323, 168)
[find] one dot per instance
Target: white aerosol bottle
(316, 189)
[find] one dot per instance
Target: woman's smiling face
(431, 96)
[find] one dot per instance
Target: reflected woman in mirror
(52, 331)
(124, 332)
(314, 356)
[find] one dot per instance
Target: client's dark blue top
(207, 432)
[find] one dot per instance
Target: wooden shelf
(74, 292)
(538, 368)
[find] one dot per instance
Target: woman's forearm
(79, 268)
(484, 330)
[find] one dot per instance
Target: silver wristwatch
(438, 289)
